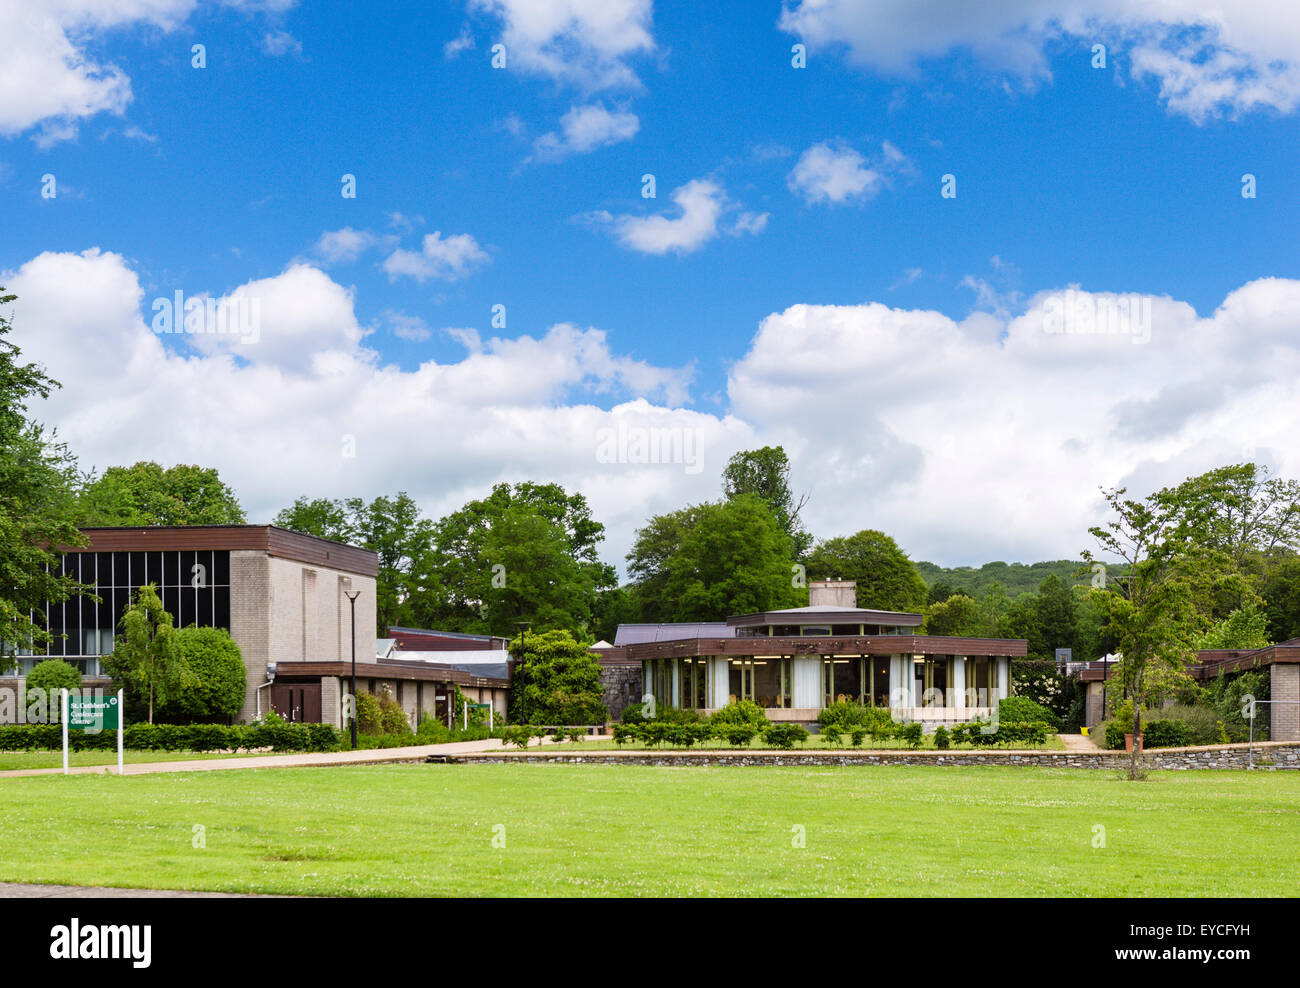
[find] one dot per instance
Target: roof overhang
(823, 645)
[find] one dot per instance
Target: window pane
(56, 629)
(221, 602)
(137, 570)
(220, 569)
(171, 598)
(104, 569)
(203, 615)
(186, 616)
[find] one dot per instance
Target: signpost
(93, 714)
(477, 706)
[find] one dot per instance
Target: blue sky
(815, 186)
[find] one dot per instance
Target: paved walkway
(379, 756)
(15, 890)
(1078, 742)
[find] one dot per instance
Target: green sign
(89, 713)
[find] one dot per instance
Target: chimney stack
(833, 593)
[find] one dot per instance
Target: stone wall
(1266, 755)
(622, 687)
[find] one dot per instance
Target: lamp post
(352, 596)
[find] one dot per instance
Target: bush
(519, 736)
(832, 735)
(623, 733)
(784, 736)
(271, 732)
(369, 714)
(1166, 734)
(857, 736)
(1114, 731)
(737, 735)
(941, 739)
(742, 712)
(55, 674)
(216, 691)
(1202, 722)
(392, 718)
(911, 733)
(634, 713)
(847, 713)
(1023, 710)
(675, 715)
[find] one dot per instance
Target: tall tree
(144, 660)
(647, 562)
(556, 681)
(37, 485)
(1152, 610)
(525, 552)
(735, 559)
(1057, 617)
(765, 473)
(886, 578)
(147, 494)
(959, 616)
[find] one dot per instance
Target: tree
(1152, 609)
(1281, 592)
(146, 494)
(219, 680)
(557, 681)
(37, 485)
(886, 579)
(1056, 612)
(735, 559)
(960, 617)
(53, 675)
(525, 552)
(143, 660)
(1244, 628)
(647, 562)
(765, 473)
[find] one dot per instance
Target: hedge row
(740, 735)
(282, 736)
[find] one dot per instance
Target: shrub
(634, 713)
(271, 732)
(857, 736)
(675, 715)
(737, 735)
(847, 713)
(1023, 710)
(882, 730)
(941, 739)
(623, 733)
(369, 715)
(784, 736)
(832, 735)
(911, 733)
(519, 736)
(1166, 734)
(1202, 722)
(392, 718)
(1114, 732)
(55, 674)
(742, 712)
(215, 689)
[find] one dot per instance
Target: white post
(464, 710)
(121, 728)
(491, 710)
(63, 706)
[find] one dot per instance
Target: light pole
(352, 596)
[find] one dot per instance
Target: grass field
(628, 830)
(54, 759)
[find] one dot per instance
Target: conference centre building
(287, 601)
(796, 661)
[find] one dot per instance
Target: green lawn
(630, 830)
(54, 759)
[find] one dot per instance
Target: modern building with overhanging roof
(796, 661)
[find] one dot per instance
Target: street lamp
(352, 596)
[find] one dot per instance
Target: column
(719, 681)
(675, 683)
(1004, 683)
(806, 690)
(958, 686)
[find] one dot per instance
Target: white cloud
(586, 43)
(700, 204)
(345, 245)
(407, 327)
(1208, 60)
(443, 258)
(278, 43)
(832, 172)
(462, 42)
(974, 446)
(584, 129)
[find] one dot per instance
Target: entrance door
(297, 702)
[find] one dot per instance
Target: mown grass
(632, 830)
(10, 760)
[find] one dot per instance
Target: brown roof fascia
(833, 645)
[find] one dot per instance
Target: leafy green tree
(525, 552)
(53, 674)
(556, 682)
(219, 681)
(322, 517)
(735, 559)
(1244, 628)
(647, 562)
(1056, 617)
(960, 617)
(37, 492)
(1153, 609)
(1281, 590)
(147, 494)
(143, 661)
(886, 579)
(765, 473)
(940, 592)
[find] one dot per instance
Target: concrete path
(1079, 742)
(380, 756)
(15, 890)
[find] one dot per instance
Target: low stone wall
(1267, 755)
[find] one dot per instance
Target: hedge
(279, 736)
